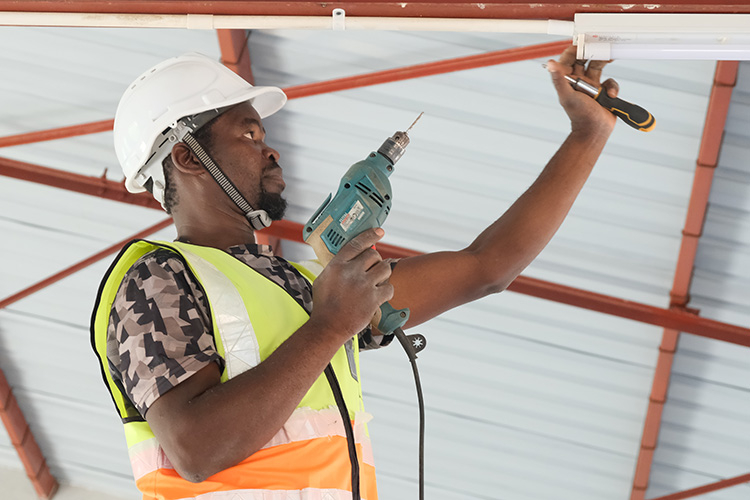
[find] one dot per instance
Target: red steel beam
(231, 51)
(719, 485)
(488, 9)
(725, 79)
(676, 319)
(56, 133)
(644, 313)
(234, 52)
(428, 69)
(23, 441)
(94, 186)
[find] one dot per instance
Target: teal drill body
(362, 202)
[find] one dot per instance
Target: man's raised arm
(433, 283)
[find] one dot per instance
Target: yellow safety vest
(251, 316)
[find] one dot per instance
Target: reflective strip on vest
(241, 350)
(306, 494)
(305, 424)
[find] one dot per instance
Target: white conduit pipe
(337, 21)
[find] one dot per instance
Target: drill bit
(414, 123)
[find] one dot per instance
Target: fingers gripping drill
(363, 201)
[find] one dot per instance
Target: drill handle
(315, 240)
(387, 318)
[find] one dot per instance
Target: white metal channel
(706, 425)
(526, 399)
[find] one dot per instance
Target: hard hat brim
(265, 100)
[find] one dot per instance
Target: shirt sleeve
(369, 340)
(159, 332)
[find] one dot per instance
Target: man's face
(239, 149)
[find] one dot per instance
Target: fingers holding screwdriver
(584, 113)
(586, 80)
(591, 71)
(594, 70)
(612, 87)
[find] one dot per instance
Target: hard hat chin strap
(258, 219)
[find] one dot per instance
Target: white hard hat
(173, 89)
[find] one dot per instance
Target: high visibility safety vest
(308, 458)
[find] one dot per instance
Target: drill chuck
(394, 147)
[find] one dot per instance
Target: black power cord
(410, 347)
(411, 352)
(339, 397)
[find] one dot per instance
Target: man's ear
(185, 160)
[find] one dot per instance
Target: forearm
(507, 246)
(228, 422)
(430, 284)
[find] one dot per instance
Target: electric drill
(363, 201)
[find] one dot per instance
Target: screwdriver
(630, 113)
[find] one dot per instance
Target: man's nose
(271, 153)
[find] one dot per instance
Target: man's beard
(273, 204)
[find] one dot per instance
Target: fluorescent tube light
(663, 36)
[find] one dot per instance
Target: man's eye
(249, 135)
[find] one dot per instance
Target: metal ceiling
(526, 398)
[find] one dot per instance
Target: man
(226, 378)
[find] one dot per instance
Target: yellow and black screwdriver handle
(630, 113)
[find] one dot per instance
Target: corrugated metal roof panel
(526, 399)
(706, 426)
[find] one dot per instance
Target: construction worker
(211, 349)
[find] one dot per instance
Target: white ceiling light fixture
(718, 37)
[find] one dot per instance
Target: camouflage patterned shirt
(160, 330)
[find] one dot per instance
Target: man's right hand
(350, 289)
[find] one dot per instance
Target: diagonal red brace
(23, 441)
(231, 53)
(82, 264)
(694, 492)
